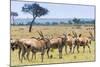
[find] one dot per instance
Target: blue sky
(57, 10)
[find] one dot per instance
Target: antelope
(16, 44)
(69, 43)
(36, 45)
(13, 44)
(57, 43)
(82, 41)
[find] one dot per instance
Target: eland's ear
(80, 35)
(13, 49)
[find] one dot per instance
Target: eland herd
(44, 44)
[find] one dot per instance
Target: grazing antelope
(16, 44)
(13, 44)
(57, 43)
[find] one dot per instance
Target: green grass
(66, 58)
(22, 32)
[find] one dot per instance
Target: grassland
(18, 32)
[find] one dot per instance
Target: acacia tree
(76, 21)
(14, 14)
(35, 10)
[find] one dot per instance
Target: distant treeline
(73, 21)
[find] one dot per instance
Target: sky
(56, 10)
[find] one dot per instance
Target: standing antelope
(36, 45)
(82, 41)
(69, 43)
(57, 43)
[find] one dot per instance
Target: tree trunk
(31, 24)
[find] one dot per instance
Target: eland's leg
(19, 53)
(89, 48)
(84, 49)
(42, 54)
(60, 53)
(70, 49)
(28, 52)
(66, 49)
(32, 56)
(78, 48)
(74, 48)
(48, 52)
(35, 55)
(23, 54)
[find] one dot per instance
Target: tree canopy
(35, 10)
(76, 20)
(14, 13)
